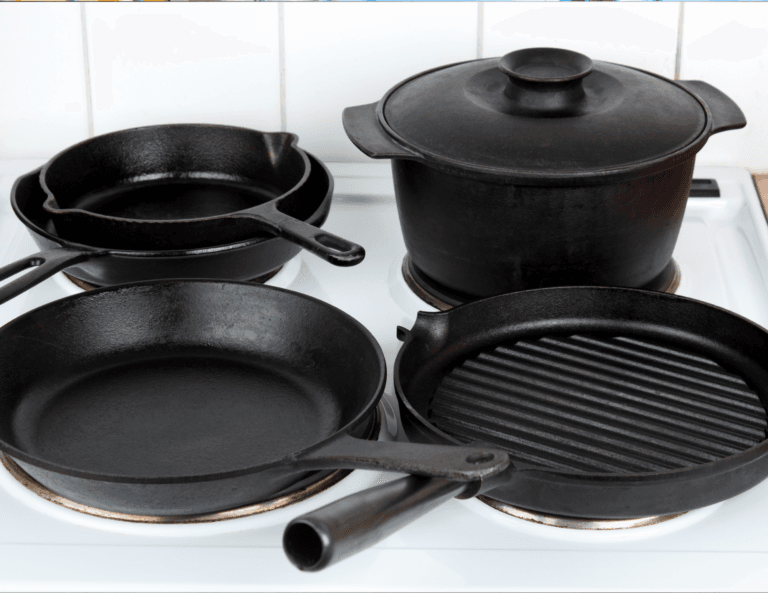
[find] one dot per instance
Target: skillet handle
(330, 247)
(345, 527)
(45, 264)
(467, 464)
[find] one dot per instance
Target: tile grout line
(281, 64)
(87, 68)
(480, 30)
(679, 47)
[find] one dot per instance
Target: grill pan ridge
(599, 404)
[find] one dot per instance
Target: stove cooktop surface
(722, 253)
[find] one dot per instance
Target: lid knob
(546, 81)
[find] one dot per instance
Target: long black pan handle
(45, 264)
(441, 472)
(345, 527)
(330, 247)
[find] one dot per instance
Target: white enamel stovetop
(466, 546)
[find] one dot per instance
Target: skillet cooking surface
(180, 414)
(599, 403)
(175, 380)
(177, 199)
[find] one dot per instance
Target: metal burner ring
(575, 522)
(254, 509)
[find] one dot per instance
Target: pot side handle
(362, 126)
(726, 114)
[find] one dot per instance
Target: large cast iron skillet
(185, 186)
(187, 397)
(259, 255)
(438, 343)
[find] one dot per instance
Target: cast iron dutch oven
(541, 168)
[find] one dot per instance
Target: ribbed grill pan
(599, 403)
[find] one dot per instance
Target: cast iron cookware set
(179, 389)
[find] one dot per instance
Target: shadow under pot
(540, 168)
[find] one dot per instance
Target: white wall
(71, 70)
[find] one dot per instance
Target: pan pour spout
(323, 537)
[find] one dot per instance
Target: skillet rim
(283, 462)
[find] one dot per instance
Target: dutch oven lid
(539, 112)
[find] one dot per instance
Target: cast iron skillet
(659, 400)
(185, 186)
(188, 397)
(261, 254)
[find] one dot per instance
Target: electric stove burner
(574, 522)
(443, 298)
(304, 492)
(85, 286)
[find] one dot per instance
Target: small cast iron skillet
(260, 255)
(188, 397)
(598, 376)
(185, 186)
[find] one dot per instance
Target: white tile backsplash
(637, 35)
(42, 104)
(221, 62)
(340, 55)
(175, 63)
(727, 46)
